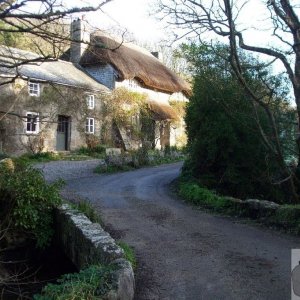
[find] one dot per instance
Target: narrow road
(182, 252)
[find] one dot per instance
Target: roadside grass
(197, 195)
(129, 254)
(90, 283)
(87, 209)
(286, 217)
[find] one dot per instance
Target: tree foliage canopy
(225, 149)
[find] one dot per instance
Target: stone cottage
(48, 105)
(116, 63)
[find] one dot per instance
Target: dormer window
(91, 101)
(34, 89)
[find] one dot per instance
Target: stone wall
(53, 101)
(86, 243)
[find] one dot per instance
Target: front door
(62, 138)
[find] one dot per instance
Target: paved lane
(184, 253)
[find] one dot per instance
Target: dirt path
(184, 253)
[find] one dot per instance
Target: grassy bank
(286, 217)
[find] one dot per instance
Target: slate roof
(30, 66)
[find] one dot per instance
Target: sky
(134, 15)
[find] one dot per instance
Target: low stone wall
(270, 213)
(86, 243)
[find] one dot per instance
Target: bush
(97, 151)
(288, 217)
(3, 155)
(38, 157)
(26, 202)
(89, 284)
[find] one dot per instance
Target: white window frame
(91, 101)
(90, 125)
(34, 89)
(29, 120)
(132, 84)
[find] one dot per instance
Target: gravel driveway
(68, 169)
(182, 252)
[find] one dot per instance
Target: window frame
(32, 91)
(31, 123)
(91, 101)
(90, 128)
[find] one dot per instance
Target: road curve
(182, 252)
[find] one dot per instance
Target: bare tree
(225, 20)
(43, 22)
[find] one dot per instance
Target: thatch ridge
(132, 62)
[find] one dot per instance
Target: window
(33, 89)
(32, 122)
(91, 101)
(90, 125)
(132, 84)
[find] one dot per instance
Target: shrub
(97, 151)
(38, 157)
(288, 217)
(89, 284)
(3, 155)
(26, 202)
(226, 151)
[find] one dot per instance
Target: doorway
(63, 133)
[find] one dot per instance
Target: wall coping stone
(86, 243)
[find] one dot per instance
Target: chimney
(80, 38)
(157, 54)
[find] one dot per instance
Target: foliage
(27, 201)
(125, 104)
(179, 107)
(201, 196)
(86, 208)
(129, 254)
(3, 155)
(10, 39)
(90, 284)
(226, 151)
(285, 217)
(141, 158)
(225, 21)
(97, 151)
(39, 157)
(130, 112)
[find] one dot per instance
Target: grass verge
(90, 283)
(286, 217)
(129, 254)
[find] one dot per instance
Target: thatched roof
(162, 111)
(131, 62)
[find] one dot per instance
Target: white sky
(130, 14)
